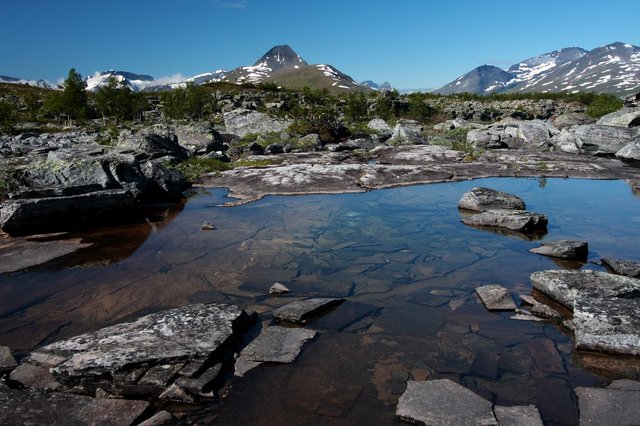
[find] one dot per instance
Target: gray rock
(608, 406)
(308, 143)
(625, 384)
(604, 140)
(604, 307)
(274, 148)
(496, 298)
(160, 375)
(7, 361)
(543, 311)
(35, 377)
(564, 249)
(622, 267)
(523, 415)
(299, 311)
(278, 289)
(380, 126)
(152, 144)
(30, 216)
(198, 138)
(241, 122)
(274, 344)
(629, 152)
(164, 183)
(32, 407)
(404, 135)
(483, 199)
(168, 337)
(572, 119)
(443, 402)
(514, 220)
(78, 172)
(175, 393)
(161, 418)
(203, 384)
(625, 117)
(486, 139)
(566, 141)
(535, 133)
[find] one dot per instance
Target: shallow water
(401, 257)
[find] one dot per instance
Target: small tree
(191, 102)
(115, 99)
(7, 113)
(356, 109)
(71, 103)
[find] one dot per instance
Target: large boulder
(380, 126)
(242, 122)
(199, 139)
(604, 140)
(626, 117)
(571, 119)
(483, 199)
(152, 144)
(34, 215)
(164, 183)
(630, 152)
(405, 135)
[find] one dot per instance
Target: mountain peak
(280, 57)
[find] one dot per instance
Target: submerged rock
(605, 307)
(514, 220)
(496, 298)
(443, 402)
(608, 406)
(622, 267)
(32, 407)
(522, 415)
(298, 312)
(274, 344)
(564, 249)
(483, 199)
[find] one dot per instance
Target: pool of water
(401, 257)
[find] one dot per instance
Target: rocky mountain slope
(614, 69)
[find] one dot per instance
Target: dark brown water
(401, 257)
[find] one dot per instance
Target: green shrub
(603, 105)
(9, 182)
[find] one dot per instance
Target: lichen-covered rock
(604, 307)
(596, 139)
(405, 135)
(625, 117)
(241, 122)
(483, 199)
(630, 152)
(622, 267)
(167, 337)
(571, 119)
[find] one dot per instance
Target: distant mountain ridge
(614, 69)
(280, 65)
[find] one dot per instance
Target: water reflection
(406, 263)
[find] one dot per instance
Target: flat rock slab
(35, 377)
(300, 311)
(521, 415)
(496, 298)
(483, 199)
(605, 307)
(608, 406)
(274, 344)
(166, 337)
(514, 220)
(563, 249)
(32, 407)
(443, 402)
(24, 254)
(622, 267)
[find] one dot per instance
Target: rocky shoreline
(127, 371)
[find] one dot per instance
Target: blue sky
(411, 43)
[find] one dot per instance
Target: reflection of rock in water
(635, 186)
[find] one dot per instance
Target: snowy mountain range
(614, 69)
